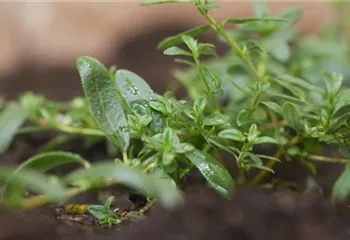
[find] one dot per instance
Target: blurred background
(39, 42)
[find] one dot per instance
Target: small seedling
(104, 213)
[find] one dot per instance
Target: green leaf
(132, 86)
(177, 39)
(176, 51)
(192, 44)
(247, 20)
(333, 82)
(216, 120)
(232, 134)
(244, 117)
(292, 15)
(265, 139)
(279, 48)
(253, 133)
(102, 97)
(293, 116)
(288, 98)
(296, 91)
(217, 176)
(42, 163)
(308, 165)
(46, 161)
(98, 211)
(150, 185)
(213, 81)
(261, 9)
(300, 82)
(32, 180)
(199, 105)
(273, 106)
(206, 49)
(11, 118)
(341, 188)
(341, 110)
(185, 62)
(154, 2)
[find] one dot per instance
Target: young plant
(268, 90)
(105, 214)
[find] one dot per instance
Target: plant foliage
(273, 88)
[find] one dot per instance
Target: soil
(251, 214)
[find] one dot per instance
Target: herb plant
(273, 88)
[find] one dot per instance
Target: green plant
(104, 213)
(268, 90)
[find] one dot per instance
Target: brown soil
(250, 215)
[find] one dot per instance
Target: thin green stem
(66, 129)
(220, 30)
(318, 158)
(37, 201)
(271, 163)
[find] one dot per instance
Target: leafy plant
(267, 91)
(104, 213)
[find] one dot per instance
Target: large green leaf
(151, 185)
(102, 97)
(32, 180)
(42, 162)
(11, 118)
(217, 175)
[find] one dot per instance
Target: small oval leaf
(217, 176)
(293, 116)
(132, 86)
(102, 97)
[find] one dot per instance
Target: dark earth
(252, 214)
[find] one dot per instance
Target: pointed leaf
(247, 20)
(274, 106)
(217, 176)
(102, 97)
(176, 51)
(232, 134)
(176, 39)
(132, 86)
(11, 118)
(341, 188)
(293, 116)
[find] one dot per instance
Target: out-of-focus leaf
(11, 118)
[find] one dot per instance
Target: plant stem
(318, 158)
(220, 30)
(66, 129)
(263, 173)
(41, 200)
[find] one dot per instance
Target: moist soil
(282, 213)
